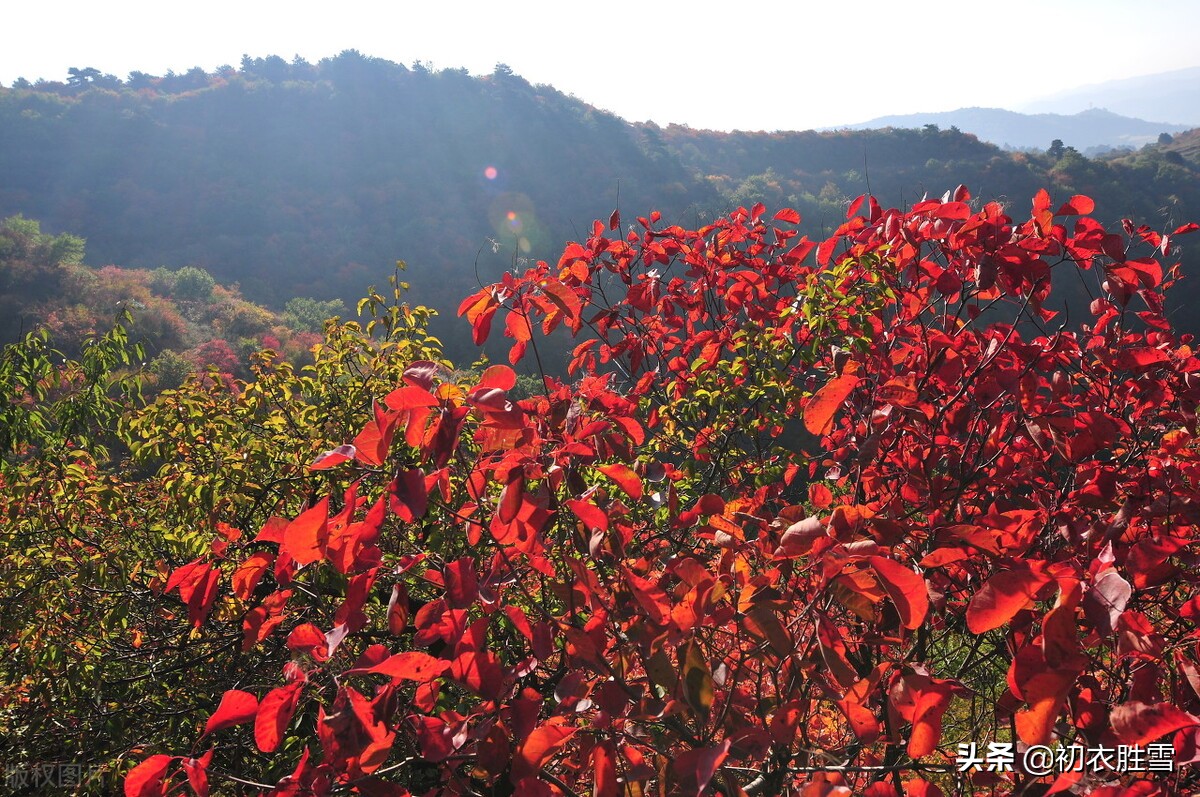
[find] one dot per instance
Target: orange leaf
(539, 747)
(820, 409)
(906, 589)
(625, 478)
(249, 573)
(306, 537)
(1001, 598)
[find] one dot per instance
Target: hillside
(298, 179)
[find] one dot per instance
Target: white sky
(769, 64)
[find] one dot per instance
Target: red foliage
(538, 600)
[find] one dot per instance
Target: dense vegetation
(807, 515)
(181, 319)
(312, 179)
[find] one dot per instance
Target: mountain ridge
(1086, 130)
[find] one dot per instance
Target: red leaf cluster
(792, 522)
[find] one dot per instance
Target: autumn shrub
(102, 497)
(807, 516)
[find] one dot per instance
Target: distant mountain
(1173, 96)
(1090, 129)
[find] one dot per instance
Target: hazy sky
(749, 65)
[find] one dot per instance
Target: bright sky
(770, 64)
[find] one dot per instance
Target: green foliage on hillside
(181, 319)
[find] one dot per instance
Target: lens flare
(490, 172)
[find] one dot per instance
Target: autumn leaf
(906, 589)
(625, 478)
(540, 746)
(146, 779)
(274, 715)
(236, 707)
(411, 665)
(999, 600)
(1137, 723)
(820, 409)
(306, 537)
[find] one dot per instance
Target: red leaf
(820, 409)
(249, 573)
(185, 577)
(650, 596)
(333, 458)
(307, 638)
(412, 665)
(604, 771)
(701, 765)
(592, 516)
(625, 478)
(500, 377)
(236, 707)
(408, 495)
(800, 251)
(197, 773)
(788, 215)
(306, 537)
(1077, 205)
(1144, 357)
(274, 715)
(906, 589)
(409, 397)
(919, 787)
(462, 585)
(614, 221)
(1001, 598)
(479, 308)
(1045, 693)
(855, 205)
(146, 779)
(1138, 723)
(371, 445)
(1106, 600)
(539, 747)
(272, 530)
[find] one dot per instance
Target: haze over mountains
(1117, 114)
(1092, 130)
(313, 179)
(1168, 96)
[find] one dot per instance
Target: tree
(309, 315)
(193, 284)
(81, 77)
(645, 581)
